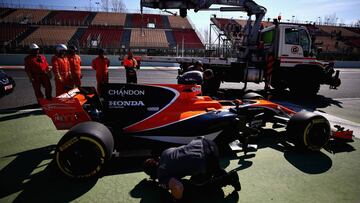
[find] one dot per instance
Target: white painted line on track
(334, 120)
(347, 99)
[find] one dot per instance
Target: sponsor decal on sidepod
(126, 92)
(122, 104)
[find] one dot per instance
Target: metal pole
(182, 54)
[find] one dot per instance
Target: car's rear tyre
(84, 150)
(308, 131)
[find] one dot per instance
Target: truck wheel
(84, 150)
(308, 131)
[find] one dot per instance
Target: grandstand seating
(191, 40)
(344, 32)
(355, 42)
(264, 23)
(10, 31)
(315, 30)
(24, 16)
(148, 38)
(77, 36)
(109, 37)
(117, 19)
(125, 42)
(50, 35)
(222, 23)
(70, 17)
(5, 11)
(330, 45)
(142, 21)
(353, 29)
(170, 38)
(121, 30)
(179, 22)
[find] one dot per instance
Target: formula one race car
(126, 115)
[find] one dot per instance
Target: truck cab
(288, 41)
(291, 46)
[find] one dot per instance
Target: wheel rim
(80, 157)
(316, 136)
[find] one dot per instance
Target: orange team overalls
(37, 68)
(75, 69)
(62, 74)
(101, 66)
(130, 65)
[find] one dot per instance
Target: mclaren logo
(123, 104)
(126, 92)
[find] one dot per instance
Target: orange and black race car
(131, 115)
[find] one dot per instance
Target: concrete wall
(18, 59)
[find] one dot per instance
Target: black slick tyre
(308, 131)
(84, 150)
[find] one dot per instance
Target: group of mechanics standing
(66, 68)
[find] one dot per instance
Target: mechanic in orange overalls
(101, 65)
(37, 68)
(61, 69)
(130, 64)
(75, 65)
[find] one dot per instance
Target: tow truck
(281, 55)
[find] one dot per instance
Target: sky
(346, 11)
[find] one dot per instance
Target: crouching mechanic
(199, 159)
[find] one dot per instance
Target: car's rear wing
(66, 110)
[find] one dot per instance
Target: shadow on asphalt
(149, 192)
(20, 115)
(46, 185)
(18, 112)
(309, 103)
(33, 176)
(19, 108)
(307, 162)
(335, 147)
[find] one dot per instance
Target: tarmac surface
(272, 173)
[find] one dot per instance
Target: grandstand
(91, 30)
(112, 19)
(140, 33)
(95, 36)
(148, 38)
(49, 35)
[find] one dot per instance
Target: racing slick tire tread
(84, 150)
(308, 131)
